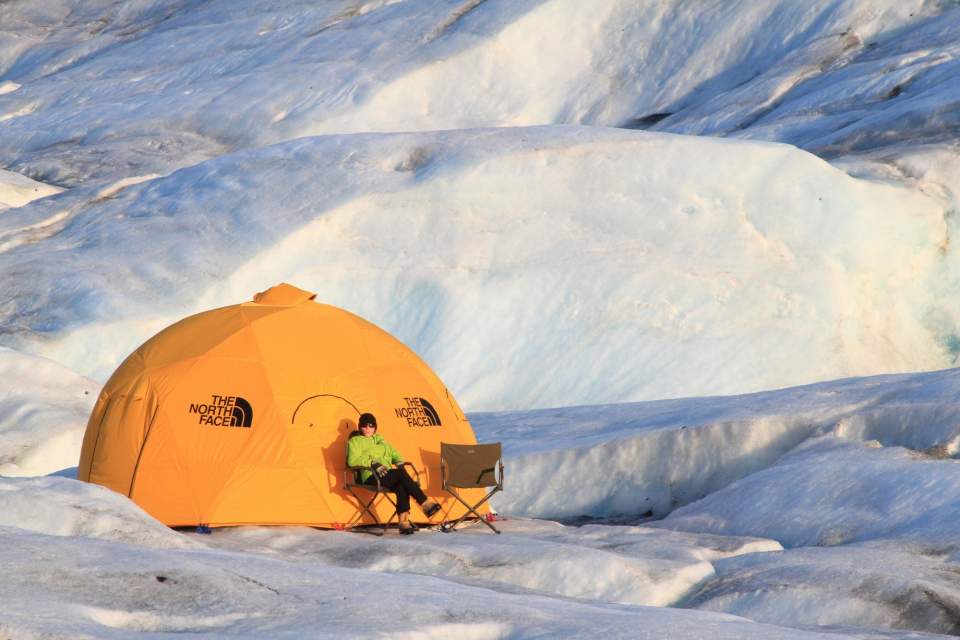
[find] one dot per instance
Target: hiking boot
(429, 508)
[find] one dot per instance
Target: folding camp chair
(351, 481)
(471, 466)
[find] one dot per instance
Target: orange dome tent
(240, 415)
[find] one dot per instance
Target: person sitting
(369, 449)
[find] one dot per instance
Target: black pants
(400, 483)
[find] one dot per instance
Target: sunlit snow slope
(108, 89)
(531, 266)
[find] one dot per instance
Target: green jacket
(363, 451)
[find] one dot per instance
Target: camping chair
(471, 466)
(352, 481)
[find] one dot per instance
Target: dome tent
(240, 415)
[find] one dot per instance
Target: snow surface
(525, 192)
(850, 532)
(43, 413)
(17, 190)
(114, 590)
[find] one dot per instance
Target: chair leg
(473, 510)
(367, 508)
(394, 515)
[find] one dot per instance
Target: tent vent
(283, 295)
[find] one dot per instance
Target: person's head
(367, 423)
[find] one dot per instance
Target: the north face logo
(418, 413)
(224, 411)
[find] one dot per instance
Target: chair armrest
(351, 470)
(350, 475)
(416, 474)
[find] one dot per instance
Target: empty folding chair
(471, 466)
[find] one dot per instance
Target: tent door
(318, 431)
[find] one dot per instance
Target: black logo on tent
(418, 413)
(224, 411)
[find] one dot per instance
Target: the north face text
(418, 413)
(224, 411)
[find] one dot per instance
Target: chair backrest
(470, 465)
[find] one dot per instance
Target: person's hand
(379, 469)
